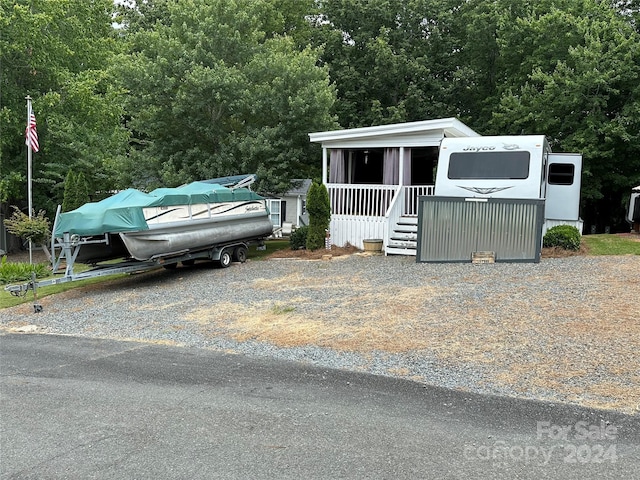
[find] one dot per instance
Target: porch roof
(409, 134)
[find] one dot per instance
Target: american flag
(31, 133)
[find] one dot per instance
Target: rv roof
(487, 140)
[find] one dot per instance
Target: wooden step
(406, 229)
(400, 251)
(398, 243)
(408, 220)
(403, 237)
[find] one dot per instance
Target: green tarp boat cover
(122, 212)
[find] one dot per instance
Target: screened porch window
(424, 162)
(368, 166)
(381, 166)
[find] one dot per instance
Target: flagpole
(29, 161)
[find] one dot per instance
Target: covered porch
(375, 175)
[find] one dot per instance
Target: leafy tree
(580, 90)
(217, 89)
(82, 190)
(58, 52)
(390, 60)
(68, 200)
(630, 9)
(76, 191)
(319, 208)
(37, 228)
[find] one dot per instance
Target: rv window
(561, 173)
(489, 165)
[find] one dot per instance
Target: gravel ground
(565, 330)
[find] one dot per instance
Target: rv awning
(123, 212)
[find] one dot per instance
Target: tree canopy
(219, 88)
(58, 52)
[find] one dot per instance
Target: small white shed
(289, 211)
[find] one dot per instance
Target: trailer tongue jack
(23, 290)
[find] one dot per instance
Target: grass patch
(8, 300)
(607, 244)
(282, 309)
(272, 246)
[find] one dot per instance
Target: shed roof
(397, 134)
(301, 189)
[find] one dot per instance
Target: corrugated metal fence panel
(450, 229)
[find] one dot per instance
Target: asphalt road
(83, 408)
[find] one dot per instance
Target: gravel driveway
(566, 329)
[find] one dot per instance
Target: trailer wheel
(240, 254)
(225, 258)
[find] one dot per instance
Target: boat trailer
(69, 246)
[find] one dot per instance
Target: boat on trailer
(214, 219)
(165, 222)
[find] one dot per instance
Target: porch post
(401, 172)
(324, 165)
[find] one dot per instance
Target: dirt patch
(37, 255)
(557, 252)
(630, 236)
(315, 254)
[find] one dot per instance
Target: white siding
(353, 230)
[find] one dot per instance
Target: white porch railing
(374, 200)
(361, 200)
(411, 194)
(359, 212)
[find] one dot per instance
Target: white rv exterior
(562, 184)
(501, 167)
(515, 167)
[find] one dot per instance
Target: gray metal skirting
(452, 229)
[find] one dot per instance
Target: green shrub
(563, 236)
(21, 272)
(319, 209)
(298, 238)
(76, 191)
(36, 228)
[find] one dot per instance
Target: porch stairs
(404, 237)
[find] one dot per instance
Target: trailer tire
(225, 258)
(189, 262)
(170, 266)
(240, 254)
